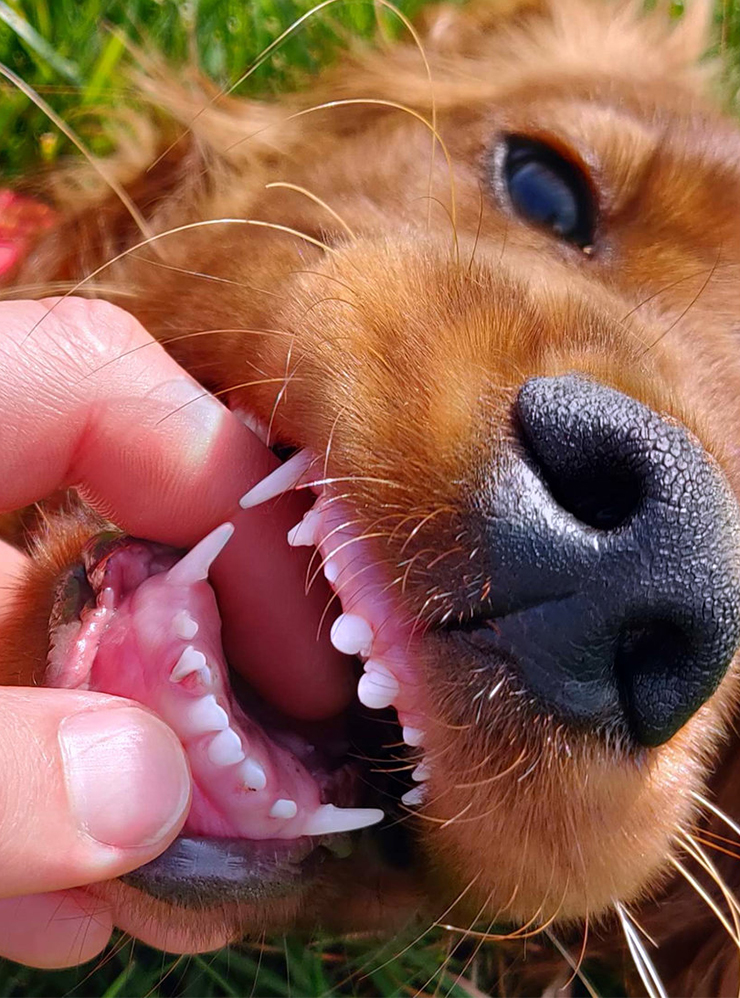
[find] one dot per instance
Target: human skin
(89, 400)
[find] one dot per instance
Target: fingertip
(51, 931)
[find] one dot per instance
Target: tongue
(154, 635)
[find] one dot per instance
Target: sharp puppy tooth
(226, 748)
(413, 737)
(196, 563)
(205, 715)
(284, 809)
(414, 796)
(189, 662)
(327, 819)
(351, 634)
(422, 772)
(282, 479)
(303, 534)
(253, 775)
(184, 626)
(378, 687)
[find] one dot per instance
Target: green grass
(74, 54)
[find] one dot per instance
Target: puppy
(490, 278)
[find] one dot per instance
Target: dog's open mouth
(271, 795)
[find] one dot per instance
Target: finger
(86, 396)
(12, 565)
(53, 930)
(90, 787)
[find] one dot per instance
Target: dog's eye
(548, 190)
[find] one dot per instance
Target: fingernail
(127, 777)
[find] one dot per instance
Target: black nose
(615, 546)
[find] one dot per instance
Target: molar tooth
(413, 737)
(205, 715)
(352, 634)
(284, 808)
(189, 662)
(327, 819)
(226, 748)
(414, 796)
(283, 479)
(196, 563)
(184, 626)
(253, 775)
(422, 772)
(378, 687)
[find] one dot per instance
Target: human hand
(92, 786)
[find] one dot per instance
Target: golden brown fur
(403, 344)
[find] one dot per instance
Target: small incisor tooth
(351, 634)
(304, 534)
(226, 748)
(283, 808)
(377, 687)
(253, 775)
(327, 819)
(184, 626)
(205, 715)
(189, 662)
(422, 772)
(413, 736)
(414, 796)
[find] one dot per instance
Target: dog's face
(507, 360)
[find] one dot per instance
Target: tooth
(184, 625)
(282, 479)
(422, 772)
(189, 662)
(327, 819)
(414, 796)
(331, 571)
(351, 634)
(194, 566)
(413, 736)
(226, 748)
(253, 775)
(304, 534)
(378, 687)
(205, 715)
(284, 809)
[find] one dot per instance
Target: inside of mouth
(141, 621)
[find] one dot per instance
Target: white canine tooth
(253, 775)
(413, 737)
(378, 687)
(331, 571)
(196, 563)
(284, 809)
(414, 796)
(327, 819)
(351, 634)
(189, 662)
(226, 748)
(205, 715)
(422, 772)
(184, 626)
(282, 479)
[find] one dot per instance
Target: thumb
(91, 787)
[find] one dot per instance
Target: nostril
(604, 496)
(586, 459)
